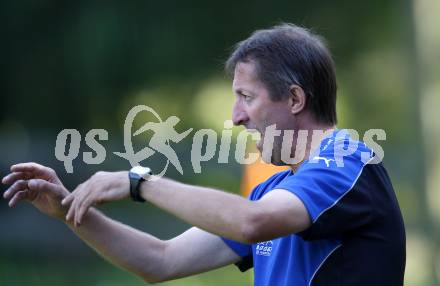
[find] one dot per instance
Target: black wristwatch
(137, 175)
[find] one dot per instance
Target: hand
(100, 188)
(37, 184)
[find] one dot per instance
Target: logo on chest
(264, 248)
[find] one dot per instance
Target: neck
(315, 135)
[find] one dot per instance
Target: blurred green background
(84, 64)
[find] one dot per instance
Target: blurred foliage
(84, 64)
(86, 57)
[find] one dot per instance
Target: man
(319, 223)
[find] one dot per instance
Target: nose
(239, 115)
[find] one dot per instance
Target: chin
(277, 161)
(274, 159)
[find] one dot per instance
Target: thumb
(43, 186)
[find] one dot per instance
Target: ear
(297, 99)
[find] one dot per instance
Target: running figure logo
(164, 132)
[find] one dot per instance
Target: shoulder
(268, 184)
(337, 154)
(330, 173)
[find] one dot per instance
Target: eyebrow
(243, 91)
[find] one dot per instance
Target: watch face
(143, 172)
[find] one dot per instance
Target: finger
(27, 167)
(55, 191)
(67, 200)
(82, 209)
(40, 185)
(71, 211)
(74, 199)
(19, 185)
(81, 200)
(77, 189)
(77, 206)
(80, 194)
(14, 176)
(36, 169)
(21, 195)
(80, 214)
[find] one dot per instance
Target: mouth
(252, 130)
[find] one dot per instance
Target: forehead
(245, 76)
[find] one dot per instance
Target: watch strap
(135, 183)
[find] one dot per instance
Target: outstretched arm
(152, 259)
(277, 214)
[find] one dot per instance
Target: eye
(246, 97)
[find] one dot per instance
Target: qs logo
(164, 133)
(205, 144)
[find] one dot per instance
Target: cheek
(260, 119)
(253, 112)
(271, 117)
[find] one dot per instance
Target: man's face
(255, 110)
